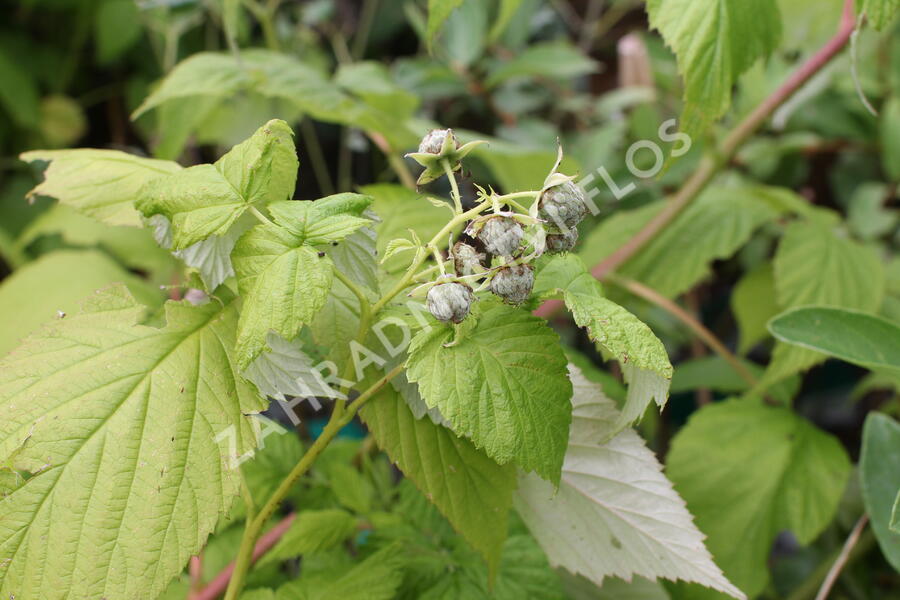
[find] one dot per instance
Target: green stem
(334, 425)
(261, 217)
(364, 27)
(454, 189)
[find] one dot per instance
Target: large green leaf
(713, 227)
(815, 265)
(749, 471)
(284, 283)
(611, 503)
(207, 200)
(102, 184)
(879, 470)
(645, 363)
(124, 436)
(857, 337)
(715, 41)
(56, 282)
(753, 304)
(438, 11)
(470, 489)
(503, 385)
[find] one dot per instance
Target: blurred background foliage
(187, 79)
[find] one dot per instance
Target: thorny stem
(337, 421)
(711, 165)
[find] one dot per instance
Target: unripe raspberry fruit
(561, 242)
(466, 259)
(433, 142)
(450, 301)
(501, 236)
(513, 284)
(562, 205)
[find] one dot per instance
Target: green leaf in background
(438, 11)
(118, 426)
(470, 489)
(19, 92)
(322, 221)
(552, 60)
(890, 137)
(371, 81)
(505, 12)
(879, 471)
(401, 209)
(283, 284)
(276, 455)
(753, 304)
(880, 12)
(375, 578)
(716, 374)
(749, 471)
(815, 265)
(102, 184)
(853, 336)
(642, 356)
(609, 504)
(715, 42)
(59, 281)
(503, 385)
(713, 227)
(895, 515)
(207, 200)
(313, 531)
(117, 27)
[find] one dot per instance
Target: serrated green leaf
(715, 41)
(503, 385)
(103, 184)
(313, 531)
(645, 363)
(749, 471)
(350, 487)
(853, 336)
(123, 428)
(609, 504)
(35, 293)
(880, 13)
(814, 265)
(466, 485)
(283, 282)
(753, 304)
(713, 227)
(322, 221)
(879, 470)
(207, 200)
(554, 60)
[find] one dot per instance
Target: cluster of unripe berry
(497, 248)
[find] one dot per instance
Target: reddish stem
(266, 541)
(710, 166)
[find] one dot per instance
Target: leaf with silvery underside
(503, 385)
(283, 282)
(207, 200)
(645, 363)
(356, 257)
(102, 184)
(123, 427)
(614, 502)
(285, 370)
